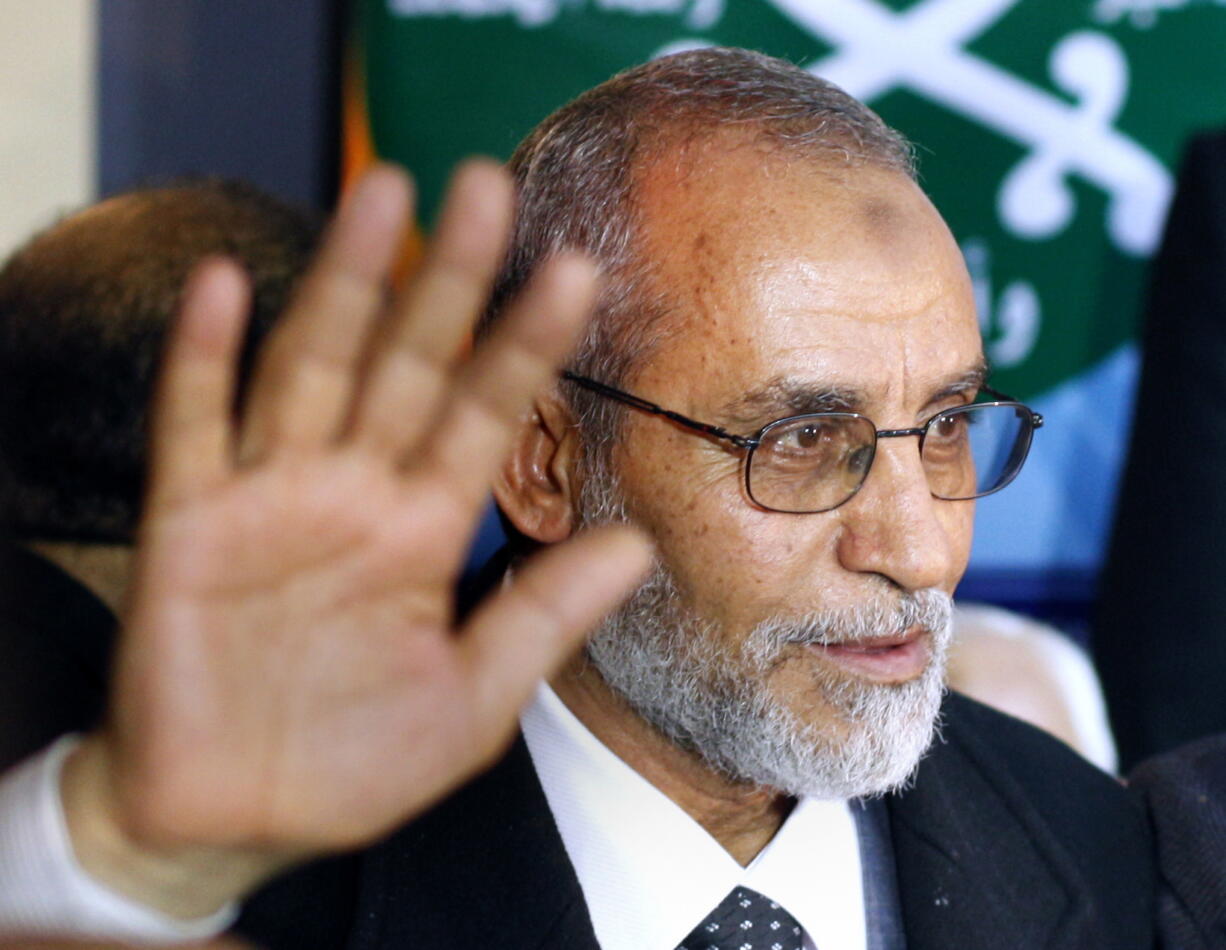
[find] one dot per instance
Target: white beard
(716, 702)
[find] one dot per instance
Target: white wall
(47, 54)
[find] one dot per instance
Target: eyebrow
(973, 380)
(785, 396)
(789, 397)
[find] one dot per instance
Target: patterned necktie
(745, 920)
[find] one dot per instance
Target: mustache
(929, 609)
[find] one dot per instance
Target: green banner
(1047, 130)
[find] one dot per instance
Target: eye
(811, 463)
(813, 444)
(949, 427)
(810, 435)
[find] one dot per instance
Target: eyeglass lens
(815, 463)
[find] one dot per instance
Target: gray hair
(576, 174)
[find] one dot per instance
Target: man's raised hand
(290, 680)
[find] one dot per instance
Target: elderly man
(783, 387)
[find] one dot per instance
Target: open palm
(291, 680)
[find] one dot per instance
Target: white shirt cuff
(45, 892)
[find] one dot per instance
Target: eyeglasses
(815, 462)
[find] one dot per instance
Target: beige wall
(46, 113)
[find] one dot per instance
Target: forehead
(783, 268)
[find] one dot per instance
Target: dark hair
(84, 307)
(576, 175)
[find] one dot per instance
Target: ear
(537, 486)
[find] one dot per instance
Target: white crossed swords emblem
(924, 49)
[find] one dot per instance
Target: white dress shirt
(45, 892)
(650, 873)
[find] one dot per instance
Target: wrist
(184, 882)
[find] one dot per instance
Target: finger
(417, 346)
(191, 431)
(498, 384)
(522, 634)
(305, 376)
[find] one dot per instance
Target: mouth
(885, 660)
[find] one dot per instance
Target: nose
(893, 527)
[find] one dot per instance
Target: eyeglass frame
(751, 443)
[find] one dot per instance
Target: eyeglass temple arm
(631, 400)
(1036, 419)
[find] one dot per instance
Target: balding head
(580, 174)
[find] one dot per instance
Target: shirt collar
(650, 873)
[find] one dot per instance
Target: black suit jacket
(1005, 840)
(1160, 631)
(1185, 792)
(55, 644)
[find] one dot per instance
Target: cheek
(959, 521)
(733, 563)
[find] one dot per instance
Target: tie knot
(745, 920)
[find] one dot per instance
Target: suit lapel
(977, 865)
(486, 868)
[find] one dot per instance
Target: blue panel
(247, 90)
